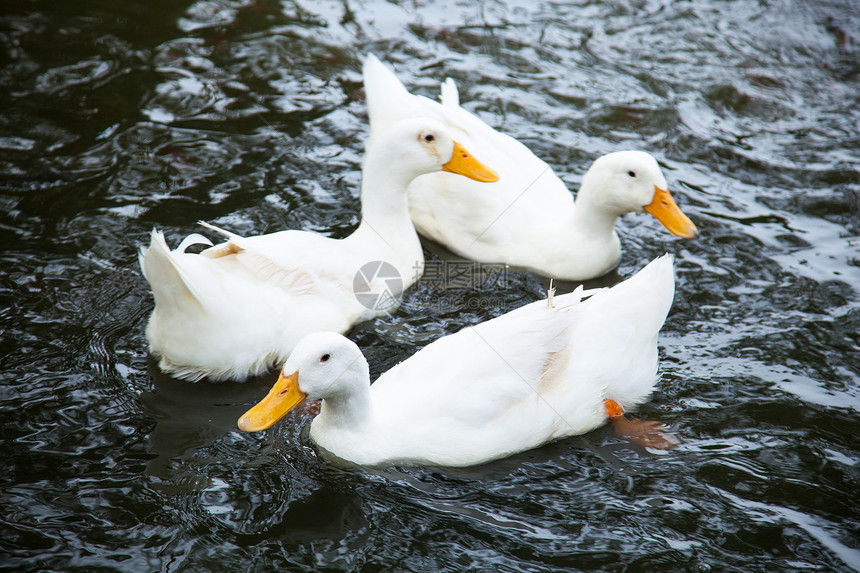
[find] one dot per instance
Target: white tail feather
(450, 95)
(229, 234)
(171, 287)
(193, 239)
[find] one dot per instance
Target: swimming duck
(550, 369)
(238, 308)
(530, 220)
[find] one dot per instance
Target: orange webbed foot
(646, 433)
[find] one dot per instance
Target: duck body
(530, 376)
(236, 314)
(238, 308)
(530, 219)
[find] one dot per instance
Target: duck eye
(631, 173)
(429, 138)
(325, 357)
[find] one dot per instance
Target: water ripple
(250, 114)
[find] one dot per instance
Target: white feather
(504, 386)
(529, 219)
(239, 307)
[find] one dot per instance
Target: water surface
(118, 118)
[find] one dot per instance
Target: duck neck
(592, 217)
(347, 410)
(386, 231)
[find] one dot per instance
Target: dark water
(119, 116)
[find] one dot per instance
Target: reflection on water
(191, 416)
(250, 114)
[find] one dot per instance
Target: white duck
(530, 219)
(509, 384)
(238, 308)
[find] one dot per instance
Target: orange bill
(462, 163)
(664, 209)
(283, 397)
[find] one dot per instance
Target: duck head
(423, 145)
(323, 365)
(631, 181)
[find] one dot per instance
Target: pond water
(118, 117)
